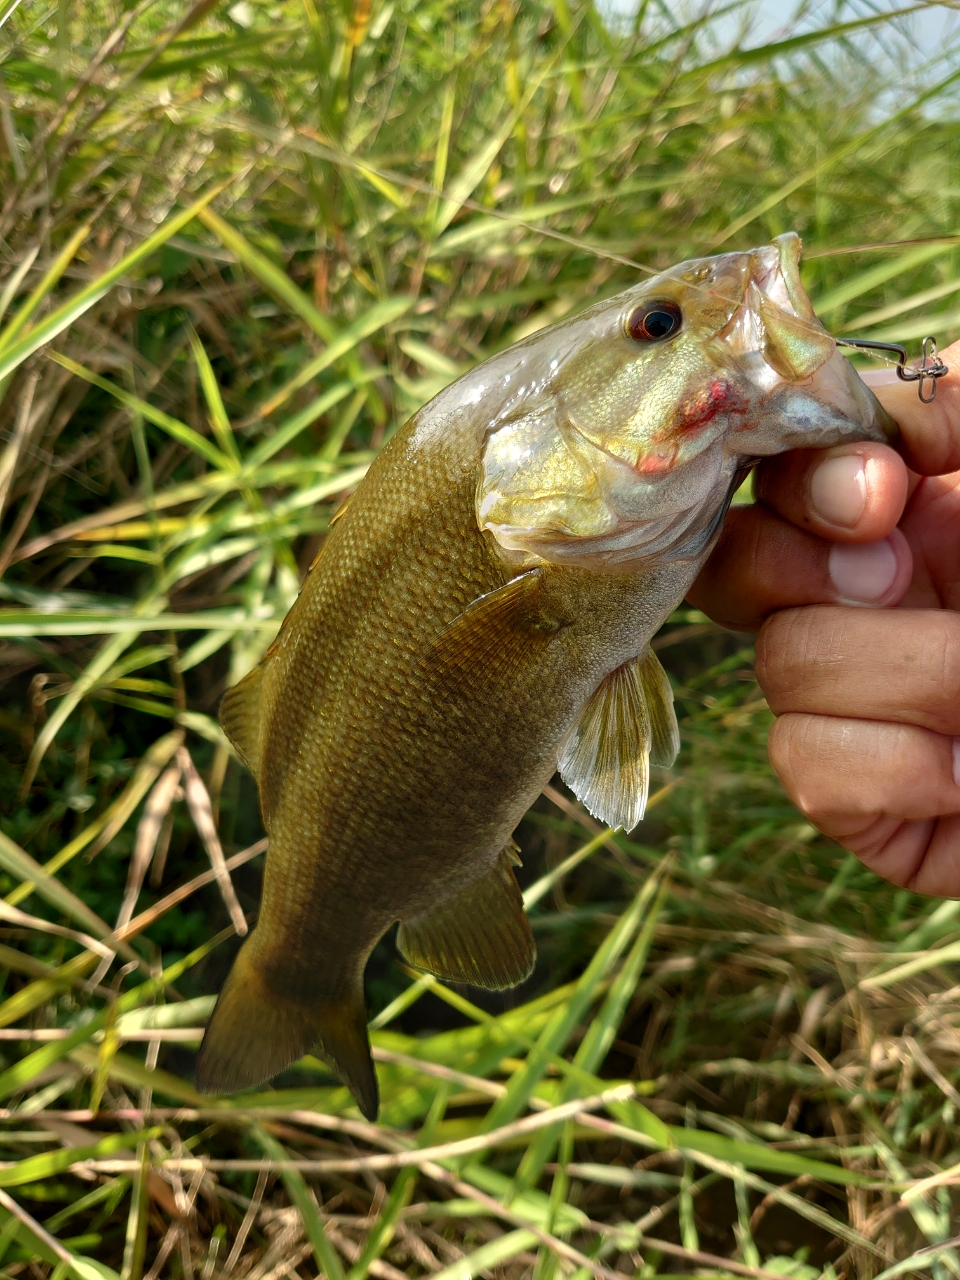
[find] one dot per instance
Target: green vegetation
(238, 246)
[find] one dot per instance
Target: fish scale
(481, 612)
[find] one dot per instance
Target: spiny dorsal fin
(242, 718)
(494, 637)
(627, 721)
(481, 937)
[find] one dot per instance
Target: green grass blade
(565, 1021)
(327, 1258)
(377, 317)
(288, 430)
(493, 1254)
(23, 1072)
(17, 862)
(400, 1195)
(99, 665)
(857, 285)
(21, 623)
(74, 307)
(821, 166)
(270, 276)
(48, 281)
(178, 430)
(600, 1035)
(103, 827)
(43, 990)
(793, 44)
(759, 1156)
(36, 1168)
(35, 1240)
(219, 420)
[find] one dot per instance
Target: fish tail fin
(256, 1032)
(344, 1045)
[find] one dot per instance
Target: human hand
(867, 740)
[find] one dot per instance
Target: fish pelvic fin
(481, 937)
(628, 721)
(658, 695)
(256, 1032)
(241, 716)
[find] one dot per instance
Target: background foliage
(238, 246)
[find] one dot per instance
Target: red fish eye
(655, 321)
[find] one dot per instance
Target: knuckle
(783, 652)
(939, 661)
(793, 749)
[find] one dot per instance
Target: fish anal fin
(495, 636)
(241, 716)
(256, 1032)
(627, 721)
(481, 937)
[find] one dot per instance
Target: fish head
(640, 414)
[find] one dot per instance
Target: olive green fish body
(480, 614)
(390, 778)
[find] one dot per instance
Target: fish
(479, 616)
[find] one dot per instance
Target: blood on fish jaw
(719, 396)
(693, 416)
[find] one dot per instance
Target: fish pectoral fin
(256, 1032)
(495, 636)
(241, 716)
(481, 937)
(627, 721)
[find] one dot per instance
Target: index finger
(930, 433)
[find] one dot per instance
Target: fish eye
(655, 320)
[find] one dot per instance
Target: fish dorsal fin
(481, 937)
(627, 721)
(494, 636)
(241, 716)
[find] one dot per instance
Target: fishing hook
(930, 367)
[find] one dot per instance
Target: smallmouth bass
(479, 616)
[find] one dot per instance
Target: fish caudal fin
(344, 1045)
(627, 722)
(255, 1033)
(481, 937)
(242, 718)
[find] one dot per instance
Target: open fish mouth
(809, 393)
(774, 335)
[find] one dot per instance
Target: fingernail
(956, 761)
(862, 573)
(838, 490)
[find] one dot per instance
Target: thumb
(763, 563)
